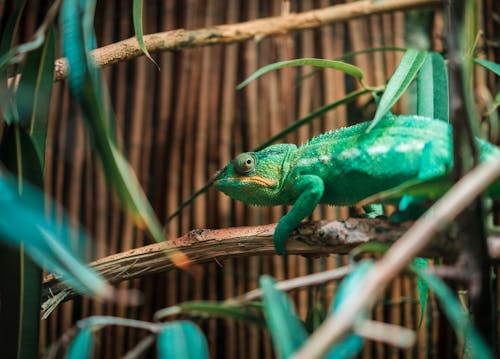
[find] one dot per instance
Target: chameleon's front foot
(281, 234)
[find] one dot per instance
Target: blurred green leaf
(7, 102)
(456, 314)
(35, 90)
(432, 88)
(286, 329)
(410, 63)
(137, 17)
(82, 345)
(423, 290)
(315, 315)
(331, 64)
(14, 53)
(86, 86)
(492, 66)
(350, 346)
(315, 114)
(213, 309)
(182, 340)
(431, 188)
(46, 240)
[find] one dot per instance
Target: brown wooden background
(179, 125)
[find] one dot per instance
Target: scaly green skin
(340, 167)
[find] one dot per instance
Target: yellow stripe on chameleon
(258, 179)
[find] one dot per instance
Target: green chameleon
(341, 167)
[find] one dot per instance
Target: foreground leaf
(492, 66)
(182, 340)
(7, 102)
(137, 17)
(82, 345)
(456, 314)
(352, 344)
(86, 86)
(34, 92)
(432, 88)
(410, 63)
(331, 64)
(431, 188)
(286, 329)
(46, 241)
(212, 309)
(423, 290)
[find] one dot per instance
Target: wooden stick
(255, 29)
(203, 245)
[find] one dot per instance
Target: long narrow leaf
(286, 329)
(182, 340)
(410, 63)
(87, 87)
(331, 64)
(212, 309)
(137, 17)
(45, 240)
(82, 345)
(7, 102)
(350, 346)
(492, 66)
(35, 90)
(432, 88)
(456, 314)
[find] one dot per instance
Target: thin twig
(394, 335)
(299, 282)
(436, 219)
(141, 347)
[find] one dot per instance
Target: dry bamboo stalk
(250, 95)
(255, 29)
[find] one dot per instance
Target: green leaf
(86, 86)
(46, 240)
(35, 90)
(315, 114)
(7, 101)
(410, 63)
(432, 88)
(315, 315)
(423, 290)
(350, 346)
(137, 15)
(456, 314)
(182, 340)
(212, 309)
(492, 66)
(20, 276)
(431, 188)
(331, 64)
(82, 345)
(286, 329)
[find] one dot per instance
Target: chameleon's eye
(244, 163)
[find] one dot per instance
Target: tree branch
(230, 33)
(203, 245)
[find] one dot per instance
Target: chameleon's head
(255, 177)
